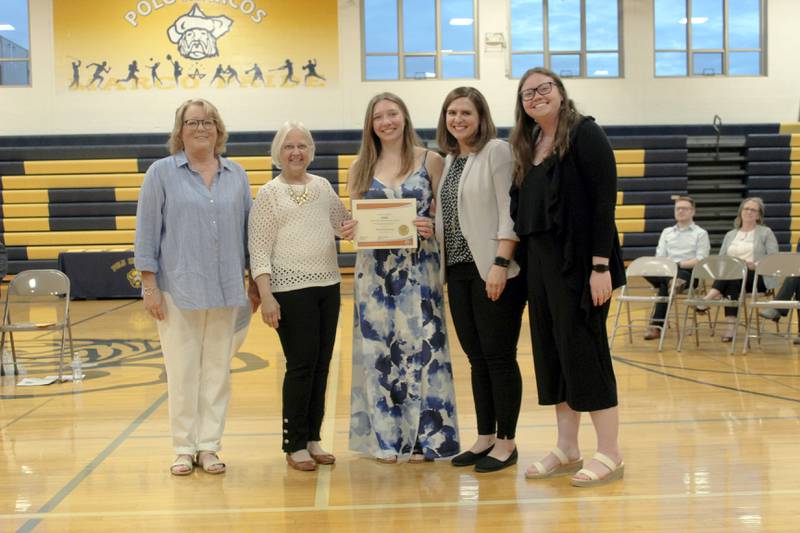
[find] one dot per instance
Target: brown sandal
(323, 458)
(304, 466)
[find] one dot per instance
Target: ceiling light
(695, 20)
(461, 22)
(7, 27)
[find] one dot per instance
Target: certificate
(385, 223)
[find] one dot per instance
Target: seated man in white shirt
(686, 243)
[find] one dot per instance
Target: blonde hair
(175, 143)
(526, 131)
(485, 132)
(363, 168)
(280, 138)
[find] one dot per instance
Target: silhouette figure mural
(232, 75)
(133, 70)
(154, 72)
(99, 70)
(288, 66)
(76, 74)
(311, 67)
(257, 75)
(177, 70)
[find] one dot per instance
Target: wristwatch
(502, 261)
(600, 268)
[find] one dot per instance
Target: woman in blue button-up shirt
(191, 237)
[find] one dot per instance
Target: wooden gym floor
(710, 443)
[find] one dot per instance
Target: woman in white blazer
(476, 233)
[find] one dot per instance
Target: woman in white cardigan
(476, 233)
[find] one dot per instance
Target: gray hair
(280, 138)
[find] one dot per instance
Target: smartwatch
(502, 261)
(600, 268)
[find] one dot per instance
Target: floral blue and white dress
(402, 383)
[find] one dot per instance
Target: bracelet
(502, 262)
(149, 291)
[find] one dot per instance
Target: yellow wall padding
(343, 173)
(622, 239)
(795, 140)
(26, 224)
(254, 190)
(346, 247)
(630, 225)
(794, 155)
(633, 170)
(795, 211)
(126, 194)
(253, 162)
(790, 127)
(346, 202)
(630, 211)
(259, 177)
(345, 161)
(25, 210)
(72, 181)
(620, 197)
(629, 156)
(25, 197)
(81, 166)
(342, 190)
(79, 238)
(794, 196)
(794, 182)
(51, 252)
(125, 222)
(795, 226)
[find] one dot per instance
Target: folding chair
(661, 267)
(780, 265)
(707, 271)
(37, 300)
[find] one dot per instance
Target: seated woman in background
(750, 241)
(293, 261)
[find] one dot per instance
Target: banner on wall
(145, 45)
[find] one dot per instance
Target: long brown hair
(525, 133)
(363, 168)
(486, 129)
(175, 143)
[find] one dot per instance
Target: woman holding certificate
(403, 401)
(486, 293)
(565, 192)
(293, 261)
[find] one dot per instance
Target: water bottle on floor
(77, 371)
(8, 362)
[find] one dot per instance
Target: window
(570, 37)
(419, 39)
(15, 55)
(709, 37)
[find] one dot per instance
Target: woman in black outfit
(563, 206)
(484, 288)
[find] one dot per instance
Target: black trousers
(662, 284)
(730, 289)
(570, 349)
(488, 333)
(789, 290)
(307, 330)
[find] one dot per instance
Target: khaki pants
(197, 347)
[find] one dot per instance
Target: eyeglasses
(193, 124)
(543, 89)
(683, 208)
(292, 147)
(751, 209)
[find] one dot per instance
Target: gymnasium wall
(638, 98)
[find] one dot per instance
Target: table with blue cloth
(100, 274)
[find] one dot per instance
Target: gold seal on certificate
(384, 223)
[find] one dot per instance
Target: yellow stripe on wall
(81, 166)
(51, 252)
(622, 239)
(25, 197)
(80, 238)
(254, 190)
(254, 162)
(630, 171)
(790, 127)
(125, 222)
(346, 247)
(25, 210)
(630, 226)
(346, 160)
(630, 211)
(72, 181)
(794, 154)
(629, 156)
(620, 197)
(794, 196)
(795, 167)
(795, 210)
(795, 225)
(259, 177)
(343, 174)
(26, 224)
(794, 182)
(126, 194)
(342, 190)
(795, 140)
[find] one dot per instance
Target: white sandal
(182, 466)
(565, 467)
(617, 471)
(210, 462)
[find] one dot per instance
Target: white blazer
(484, 205)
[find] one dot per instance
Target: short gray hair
(280, 138)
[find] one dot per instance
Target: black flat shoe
(490, 464)
(470, 458)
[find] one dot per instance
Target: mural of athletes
(141, 45)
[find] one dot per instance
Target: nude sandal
(617, 471)
(565, 467)
(210, 462)
(182, 466)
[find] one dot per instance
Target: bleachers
(79, 192)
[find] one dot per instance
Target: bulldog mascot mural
(196, 33)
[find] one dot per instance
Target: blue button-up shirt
(680, 244)
(194, 238)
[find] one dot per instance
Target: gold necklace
(301, 198)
